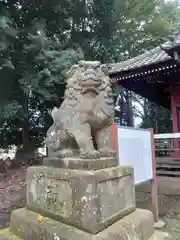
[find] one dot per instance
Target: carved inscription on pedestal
(51, 195)
(58, 197)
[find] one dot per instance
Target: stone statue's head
(88, 78)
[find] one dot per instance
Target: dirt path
(169, 205)
(12, 194)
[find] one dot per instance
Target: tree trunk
(25, 124)
(145, 110)
(130, 116)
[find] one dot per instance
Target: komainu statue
(82, 123)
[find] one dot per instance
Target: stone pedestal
(79, 164)
(138, 225)
(89, 200)
(82, 203)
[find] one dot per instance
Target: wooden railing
(167, 147)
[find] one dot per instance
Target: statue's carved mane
(76, 71)
(87, 105)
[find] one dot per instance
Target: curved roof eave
(157, 55)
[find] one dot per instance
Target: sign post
(154, 193)
(135, 147)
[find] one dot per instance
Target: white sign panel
(134, 146)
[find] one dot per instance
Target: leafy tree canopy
(39, 39)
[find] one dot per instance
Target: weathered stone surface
(3, 171)
(80, 164)
(85, 116)
(89, 200)
(2, 176)
(24, 224)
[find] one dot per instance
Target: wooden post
(114, 140)
(114, 137)
(154, 193)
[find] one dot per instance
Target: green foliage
(143, 25)
(41, 39)
(154, 116)
(33, 54)
(93, 24)
(7, 36)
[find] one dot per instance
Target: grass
(173, 227)
(172, 223)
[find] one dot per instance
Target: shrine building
(154, 75)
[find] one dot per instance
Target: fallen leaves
(39, 218)
(12, 190)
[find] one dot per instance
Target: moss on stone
(46, 219)
(7, 234)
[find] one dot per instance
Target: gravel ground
(169, 205)
(12, 194)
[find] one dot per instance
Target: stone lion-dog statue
(82, 123)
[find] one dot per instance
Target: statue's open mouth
(91, 83)
(90, 89)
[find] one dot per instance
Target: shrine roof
(152, 73)
(155, 56)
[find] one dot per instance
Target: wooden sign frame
(154, 192)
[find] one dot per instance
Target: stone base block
(136, 226)
(80, 164)
(88, 200)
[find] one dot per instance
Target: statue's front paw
(67, 153)
(107, 153)
(90, 155)
(64, 153)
